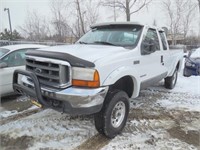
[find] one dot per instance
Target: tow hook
(55, 103)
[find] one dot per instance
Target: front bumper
(188, 71)
(72, 100)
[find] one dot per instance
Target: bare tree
(92, 11)
(73, 17)
(199, 17)
(80, 15)
(167, 5)
(86, 14)
(59, 21)
(187, 17)
(36, 27)
(128, 6)
(180, 16)
(199, 5)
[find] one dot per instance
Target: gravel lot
(159, 119)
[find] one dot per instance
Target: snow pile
(190, 85)
(5, 114)
(187, 95)
(51, 129)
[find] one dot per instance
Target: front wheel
(170, 82)
(111, 120)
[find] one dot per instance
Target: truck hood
(90, 53)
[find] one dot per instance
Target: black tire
(170, 82)
(103, 119)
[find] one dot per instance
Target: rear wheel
(111, 120)
(170, 82)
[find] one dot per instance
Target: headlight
(85, 77)
(190, 64)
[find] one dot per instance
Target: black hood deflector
(74, 61)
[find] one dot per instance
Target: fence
(50, 43)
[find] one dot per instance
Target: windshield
(126, 36)
(3, 52)
(196, 53)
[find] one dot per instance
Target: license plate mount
(34, 102)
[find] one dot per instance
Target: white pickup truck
(100, 73)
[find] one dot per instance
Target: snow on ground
(153, 127)
(186, 87)
(190, 85)
(158, 119)
(5, 114)
(13, 105)
(51, 129)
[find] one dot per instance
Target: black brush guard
(36, 94)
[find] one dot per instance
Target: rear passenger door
(152, 69)
(166, 53)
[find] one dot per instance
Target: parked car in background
(12, 57)
(192, 63)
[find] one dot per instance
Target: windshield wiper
(81, 42)
(104, 43)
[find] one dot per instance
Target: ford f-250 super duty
(97, 75)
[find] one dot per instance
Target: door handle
(162, 61)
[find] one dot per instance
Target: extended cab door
(152, 68)
(166, 53)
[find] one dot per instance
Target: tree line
(71, 19)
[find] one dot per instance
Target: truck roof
(124, 23)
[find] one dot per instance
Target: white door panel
(152, 59)
(6, 75)
(151, 66)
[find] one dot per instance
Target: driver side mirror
(3, 65)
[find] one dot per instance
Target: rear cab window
(163, 39)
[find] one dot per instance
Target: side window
(16, 58)
(150, 43)
(164, 41)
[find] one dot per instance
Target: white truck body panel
(112, 62)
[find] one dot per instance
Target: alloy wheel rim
(118, 114)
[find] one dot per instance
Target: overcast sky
(19, 9)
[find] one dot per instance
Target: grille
(48, 73)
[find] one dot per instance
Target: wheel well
(125, 84)
(178, 65)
